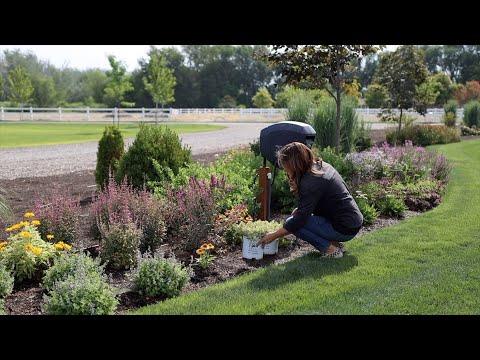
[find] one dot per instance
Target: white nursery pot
(271, 249)
(251, 250)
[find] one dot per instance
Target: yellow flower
(67, 247)
(58, 246)
(35, 222)
(29, 214)
(210, 246)
(3, 244)
(16, 226)
(24, 223)
(50, 237)
(200, 251)
(37, 250)
(28, 247)
(26, 234)
(9, 229)
(204, 246)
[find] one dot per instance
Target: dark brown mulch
(27, 298)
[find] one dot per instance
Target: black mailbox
(275, 136)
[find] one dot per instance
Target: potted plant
(252, 232)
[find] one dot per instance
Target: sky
(91, 56)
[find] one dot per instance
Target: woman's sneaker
(342, 247)
(336, 254)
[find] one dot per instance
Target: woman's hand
(267, 239)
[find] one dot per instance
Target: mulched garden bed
(27, 297)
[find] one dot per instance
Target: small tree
(118, 84)
(315, 66)
(375, 96)
(160, 80)
(21, 88)
(262, 99)
(227, 102)
(401, 73)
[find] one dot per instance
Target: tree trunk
(156, 112)
(337, 124)
(400, 120)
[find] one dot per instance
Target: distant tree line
(207, 76)
(193, 76)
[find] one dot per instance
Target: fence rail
(170, 114)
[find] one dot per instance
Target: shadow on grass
(311, 265)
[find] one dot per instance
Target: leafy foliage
(156, 276)
(81, 295)
(315, 66)
(70, 265)
(6, 280)
(471, 114)
(154, 148)
(424, 135)
(263, 99)
(403, 82)
(110, 149)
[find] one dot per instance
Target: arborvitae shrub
(110, 149)
(157, 143)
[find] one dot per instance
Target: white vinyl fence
(115, 115)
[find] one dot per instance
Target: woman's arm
(272, 236)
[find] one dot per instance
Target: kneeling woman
(327, 215)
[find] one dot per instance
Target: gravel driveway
(62, 159)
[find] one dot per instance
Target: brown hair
(299, 159)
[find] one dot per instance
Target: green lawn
(33, 134)
(428, 264)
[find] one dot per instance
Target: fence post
(60, 113)
(3, 114)
(143, 114)
(88, 113)
(115, 115)
(31, 113)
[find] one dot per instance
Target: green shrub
(160, 277)
(255, 147)
(471, 113)
(466, 131)
(368, 211)
(424, 135)
(391, 206)
(6, 280)
(298, 108)
(152, 143)
(2, 304)
(343, 166)
(449, 119)
(110, 149)
(81, 295)
(450, 107)
(70, 265)
(323, 120)
(363, 139)
(238, 166)
(372, 191)
(420, 196)
(119, 243)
